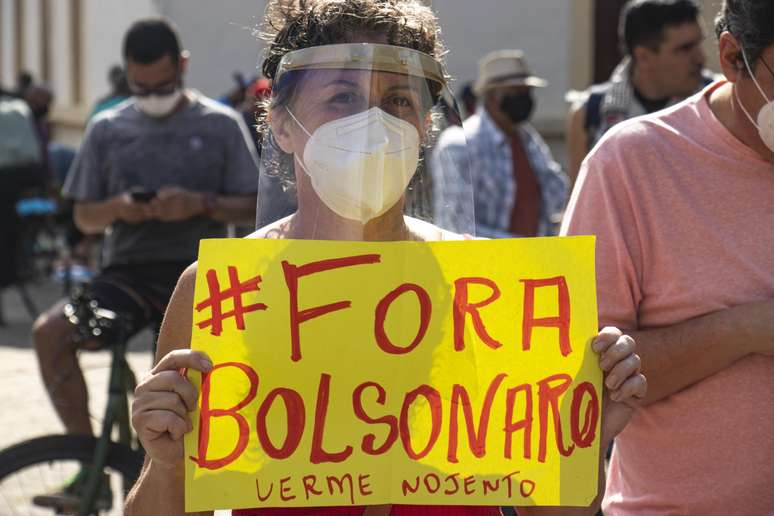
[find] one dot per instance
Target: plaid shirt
(487, 150)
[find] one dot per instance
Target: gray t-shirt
(205, 147)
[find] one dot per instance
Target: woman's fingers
(635, 388)
(617, 358)
(169, 381)
(606, 338)
(162, 403)
(153, 424)
(162, 400)
(622, 370)
(615, 353)
(183, 359)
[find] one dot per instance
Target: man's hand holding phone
(173, 203)
(132, 206)
(142, 196)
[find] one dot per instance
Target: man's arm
(174, 203)
(233, 208)
(577, 139)
(679, 356)
(94, 217)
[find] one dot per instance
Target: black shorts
(138, 291)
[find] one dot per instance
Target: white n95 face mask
(765, 121)
(360, 165)
(159, 106)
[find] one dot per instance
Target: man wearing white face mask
(682, 203)
(156, 174)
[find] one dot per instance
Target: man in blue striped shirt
(519, 189)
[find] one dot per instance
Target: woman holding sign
(359, 99)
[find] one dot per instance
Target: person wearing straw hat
(519, 189)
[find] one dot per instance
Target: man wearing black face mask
(519, 189)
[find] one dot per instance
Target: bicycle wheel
(45, 464)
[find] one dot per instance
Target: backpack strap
(593, 110)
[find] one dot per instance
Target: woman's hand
(625, 386)
(161, 405)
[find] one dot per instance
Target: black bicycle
(68, 474)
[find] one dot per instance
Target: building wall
(104, 24)
(709, 10)
(542, 29)
(555, 34)
(6, 44)
(220, 37)
(221, 41)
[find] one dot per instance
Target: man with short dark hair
(155, 175)
(664, 63)
(682, 205)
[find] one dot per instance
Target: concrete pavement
(25, 410)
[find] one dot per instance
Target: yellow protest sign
(350, 373)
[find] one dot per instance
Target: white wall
(7, 79)
(104, 25)
(540, 28)
(219, 36)
(32, 28)
(61, 57)
(220, 39)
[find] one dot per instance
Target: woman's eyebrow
(399, 87)
(342, 82)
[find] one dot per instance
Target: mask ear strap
(752, 75)
(296, 121)
(747, 113)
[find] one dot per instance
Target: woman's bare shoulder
(275, 230)
(427, 232)
(176, 328)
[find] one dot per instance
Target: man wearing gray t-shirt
(155, 174)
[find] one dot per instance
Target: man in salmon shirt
(682, 203)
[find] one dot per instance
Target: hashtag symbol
(235, 291)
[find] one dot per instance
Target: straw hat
(505, 68)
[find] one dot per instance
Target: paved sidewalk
(25, 411)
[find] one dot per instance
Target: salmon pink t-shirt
(684, 218)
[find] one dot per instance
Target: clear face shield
(362, 143)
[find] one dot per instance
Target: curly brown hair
(295, 24)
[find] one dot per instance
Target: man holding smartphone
(155, 174)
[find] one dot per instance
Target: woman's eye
(344, 98)
(400, 102)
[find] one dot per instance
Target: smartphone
(140, 195)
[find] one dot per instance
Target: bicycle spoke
(18, 490)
